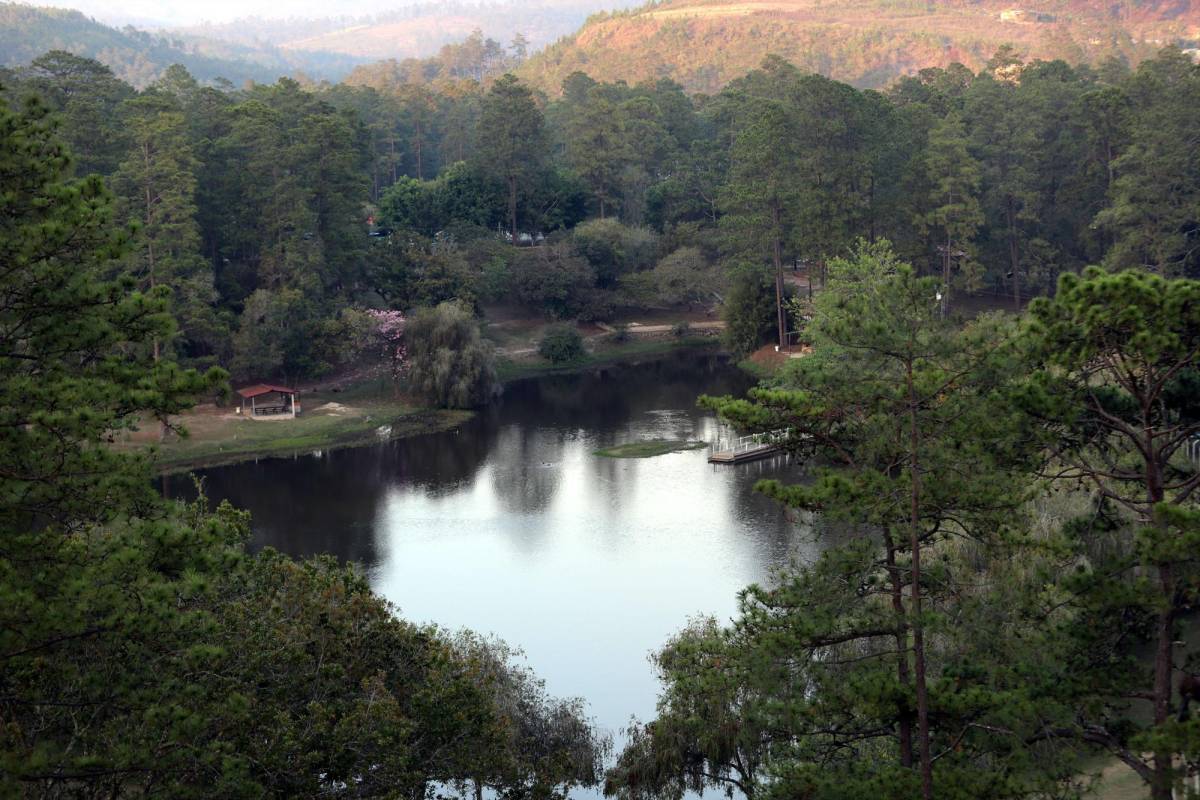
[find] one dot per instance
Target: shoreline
(359, 415)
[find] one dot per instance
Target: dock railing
(752, 441)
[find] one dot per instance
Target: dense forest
(271, 210)
(1015, 494)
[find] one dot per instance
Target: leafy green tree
(683, 277)
(553, 279)
(512, 140)
(384, 705)
(546, 746)
(614, 249)
(274, 336)
(749, 310)
(705, 734)
(411, 273)
(449, 363)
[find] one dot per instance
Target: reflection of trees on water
(337, 503)
(442, 461)
(527, 468)
(330, 503)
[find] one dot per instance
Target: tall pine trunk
(918, 627)
(1164, 645)
(777, 257)
(1013, 259)
(512, 208)
(902, 674)
(946, 276)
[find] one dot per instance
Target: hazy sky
(180, 12)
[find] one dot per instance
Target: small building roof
(259, 389)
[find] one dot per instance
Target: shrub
(621, 333)
(681, 329)
(561, 343)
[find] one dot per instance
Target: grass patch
(330, 420)
(650, 448)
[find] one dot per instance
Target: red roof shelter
(268, 401)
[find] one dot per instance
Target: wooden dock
(748, 448)
(742, 456)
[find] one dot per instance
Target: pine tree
(1116, 389)
(156, 185)
(512, 140)
(761, 198)
(956, 214)
(903, 406)
(597, 149)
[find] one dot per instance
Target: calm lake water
(511, 525)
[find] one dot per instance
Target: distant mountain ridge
(704, 44)
(139, 57)
(415, 31)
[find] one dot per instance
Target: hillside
(138, 57)
(703, 44)
(414, 31)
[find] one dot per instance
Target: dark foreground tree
(97, 580)
(1119, 356)
(868, 687)
(142, 652)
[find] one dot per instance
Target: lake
(511, 525)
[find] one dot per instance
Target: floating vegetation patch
(650, 447)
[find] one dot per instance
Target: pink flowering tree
(388, 334)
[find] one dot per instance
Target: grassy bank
(603, 354)
(355, 414)
(360, 415)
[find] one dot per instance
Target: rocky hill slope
(703, 44)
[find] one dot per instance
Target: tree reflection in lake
(512, 525)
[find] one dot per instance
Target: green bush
(561, 343)
(681, 329)
(613, 249)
